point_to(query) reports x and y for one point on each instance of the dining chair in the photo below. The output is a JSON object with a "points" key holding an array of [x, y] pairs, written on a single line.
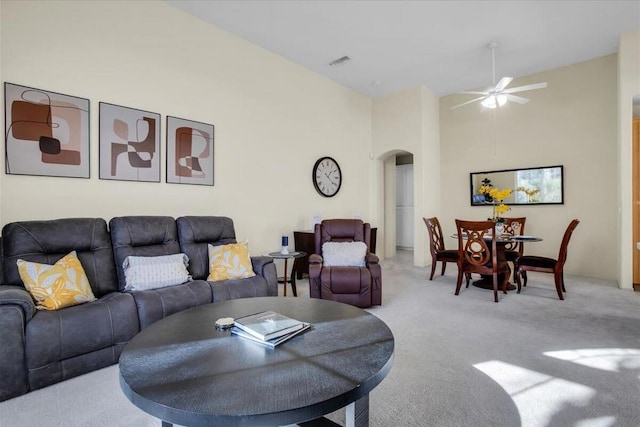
{"points": [[513, 250], [436, 245], [547, 265], [478, 253]]}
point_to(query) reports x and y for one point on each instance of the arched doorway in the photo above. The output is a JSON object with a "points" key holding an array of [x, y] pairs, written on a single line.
{"points": [[397, 206]]}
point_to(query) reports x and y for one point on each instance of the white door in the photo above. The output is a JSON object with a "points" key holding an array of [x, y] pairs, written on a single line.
{"points": [[404, 207]]}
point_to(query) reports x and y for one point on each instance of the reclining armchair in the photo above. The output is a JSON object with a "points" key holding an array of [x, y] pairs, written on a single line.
{"points": [[342, 268]]}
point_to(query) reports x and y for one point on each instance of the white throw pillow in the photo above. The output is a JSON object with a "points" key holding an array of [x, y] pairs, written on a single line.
{"points": [[144, 273], [344, 254]]}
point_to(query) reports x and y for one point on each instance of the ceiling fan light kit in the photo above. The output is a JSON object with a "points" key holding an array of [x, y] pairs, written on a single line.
{"points": [[498, 95], [494, 101]]}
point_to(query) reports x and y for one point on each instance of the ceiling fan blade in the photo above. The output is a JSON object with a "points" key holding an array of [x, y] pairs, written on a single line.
{"points": [[474, 93], [504, 82], [516, 99], [469, 102], [526, 87]]}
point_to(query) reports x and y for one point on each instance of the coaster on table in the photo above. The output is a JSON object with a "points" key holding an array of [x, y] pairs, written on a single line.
{"points": [[224, 322]]}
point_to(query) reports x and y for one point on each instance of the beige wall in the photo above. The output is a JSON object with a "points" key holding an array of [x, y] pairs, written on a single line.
{"points": [[273, 119], [571, 123], [407, 121], [628, 87], [396, 129]]}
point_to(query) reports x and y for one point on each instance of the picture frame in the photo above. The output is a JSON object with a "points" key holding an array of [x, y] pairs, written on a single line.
{"points": [[190, 154], [543, 185], [129, 144], [46, 133]]}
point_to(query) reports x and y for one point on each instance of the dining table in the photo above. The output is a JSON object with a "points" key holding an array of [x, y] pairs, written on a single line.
{"points": [[502, 240]]}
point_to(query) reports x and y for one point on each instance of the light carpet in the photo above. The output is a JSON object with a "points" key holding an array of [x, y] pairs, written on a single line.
{"points": [[530, 360]]}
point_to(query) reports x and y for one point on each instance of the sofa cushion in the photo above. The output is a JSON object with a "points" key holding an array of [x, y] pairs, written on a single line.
{"points": [[65, 343], [196, 233], [57, 286], [230, 261], [142, 236], [143, 273], [344, 254], [256, 286], [156, 304], [45, 242], [346, 280]]}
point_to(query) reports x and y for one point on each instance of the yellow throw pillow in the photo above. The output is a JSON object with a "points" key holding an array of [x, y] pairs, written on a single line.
{"points": [[56, 286], [229, 262]]}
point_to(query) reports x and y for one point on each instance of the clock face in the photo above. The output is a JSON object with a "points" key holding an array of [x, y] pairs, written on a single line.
{"points": [[327, 177]]}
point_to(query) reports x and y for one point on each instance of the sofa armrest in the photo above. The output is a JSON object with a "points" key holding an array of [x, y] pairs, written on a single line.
{"points": [[315, 259], [265, 267], [16, 308], [371, 258], [315, 267], [258, 263], [15, 295]]}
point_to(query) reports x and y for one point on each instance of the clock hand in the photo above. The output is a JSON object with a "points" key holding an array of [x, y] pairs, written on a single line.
{"points": [[329, 178]]}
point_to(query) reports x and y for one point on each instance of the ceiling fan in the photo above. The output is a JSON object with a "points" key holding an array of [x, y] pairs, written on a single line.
{"points": [[498, 95]]}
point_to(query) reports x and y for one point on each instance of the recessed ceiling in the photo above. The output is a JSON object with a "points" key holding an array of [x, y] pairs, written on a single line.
{"points": [[393, 45]]}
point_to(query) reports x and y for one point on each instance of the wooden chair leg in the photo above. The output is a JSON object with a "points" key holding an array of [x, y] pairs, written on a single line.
{"points": [[558, 280], [433, 269], [468, 277], [495, 287], [459, 283], [518, 275], [444, 267]]}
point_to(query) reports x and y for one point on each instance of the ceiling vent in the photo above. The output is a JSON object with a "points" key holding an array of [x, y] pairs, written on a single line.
{"points": [[340, 61]]}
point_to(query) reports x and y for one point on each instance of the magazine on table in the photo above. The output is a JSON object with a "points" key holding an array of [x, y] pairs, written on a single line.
{"points": [[272, 342], [268, 325]]}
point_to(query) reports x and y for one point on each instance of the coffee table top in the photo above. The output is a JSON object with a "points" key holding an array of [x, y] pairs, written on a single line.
{"points": [[185, 371]]}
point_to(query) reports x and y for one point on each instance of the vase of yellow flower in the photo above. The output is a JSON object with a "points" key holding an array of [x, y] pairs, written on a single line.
{"points": [[497, 197]]}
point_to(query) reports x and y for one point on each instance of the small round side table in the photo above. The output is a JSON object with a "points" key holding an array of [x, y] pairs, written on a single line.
{"points": [[286, 257]]}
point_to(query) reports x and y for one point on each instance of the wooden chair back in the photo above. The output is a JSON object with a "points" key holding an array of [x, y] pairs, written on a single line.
{"points": [[515, 227], [436, 241], [478, 253], [437, 247], [562, 255], [474, 252]]}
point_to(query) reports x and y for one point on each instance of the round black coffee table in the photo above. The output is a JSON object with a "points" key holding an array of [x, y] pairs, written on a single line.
{"points": [[183, 370]]}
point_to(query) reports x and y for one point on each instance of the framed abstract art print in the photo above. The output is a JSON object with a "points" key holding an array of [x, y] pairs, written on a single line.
{"points": [[46, 133], [129, 144], [189, 152]]}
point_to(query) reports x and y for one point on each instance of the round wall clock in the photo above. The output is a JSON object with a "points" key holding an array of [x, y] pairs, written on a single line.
{"points": [[327, 177]]}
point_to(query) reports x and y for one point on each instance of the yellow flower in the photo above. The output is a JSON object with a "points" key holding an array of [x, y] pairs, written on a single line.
{"points": [[485, 189], [502, 208], [528, 191], [499, 195]]}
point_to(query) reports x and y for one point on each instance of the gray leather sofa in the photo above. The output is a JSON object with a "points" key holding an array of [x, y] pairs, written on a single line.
{"points": [[40, 347]]}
